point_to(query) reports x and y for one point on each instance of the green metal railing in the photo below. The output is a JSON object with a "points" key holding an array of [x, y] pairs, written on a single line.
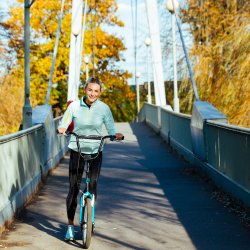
{"points": [[228, 151]]}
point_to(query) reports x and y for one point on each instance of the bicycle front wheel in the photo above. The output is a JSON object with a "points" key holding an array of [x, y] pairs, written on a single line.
{"points": [[87, 224]]}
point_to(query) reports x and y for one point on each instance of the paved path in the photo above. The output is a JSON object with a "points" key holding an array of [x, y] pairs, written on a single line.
{"points": [[146, 201]]}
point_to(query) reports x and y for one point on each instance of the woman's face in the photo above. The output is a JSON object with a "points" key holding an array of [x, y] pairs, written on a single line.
{"points": [[92, 92]]}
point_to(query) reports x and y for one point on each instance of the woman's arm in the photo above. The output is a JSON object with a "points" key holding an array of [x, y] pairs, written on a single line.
{"points": [[66, 120]]}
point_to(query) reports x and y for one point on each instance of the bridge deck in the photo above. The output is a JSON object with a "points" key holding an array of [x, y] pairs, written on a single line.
{"points": [[146, 201]]}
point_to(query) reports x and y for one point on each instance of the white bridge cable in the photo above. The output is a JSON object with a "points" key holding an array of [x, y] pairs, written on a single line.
{"points": [[187, 60], [154, 31], [185, 52], [55, 53]]}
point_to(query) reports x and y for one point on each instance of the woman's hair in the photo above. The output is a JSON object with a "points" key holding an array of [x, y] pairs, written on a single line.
{"points": [[94, 80]]}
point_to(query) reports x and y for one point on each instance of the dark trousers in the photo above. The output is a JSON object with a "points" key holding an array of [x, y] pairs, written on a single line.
{"points": [[75, 176]]}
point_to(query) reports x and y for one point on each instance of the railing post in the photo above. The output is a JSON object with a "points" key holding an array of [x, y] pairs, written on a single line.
{"points": [[159, 118], [176, 99], [27, 109]]}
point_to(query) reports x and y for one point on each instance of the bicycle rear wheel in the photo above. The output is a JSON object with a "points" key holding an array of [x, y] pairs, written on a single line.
{"points": [[87, 224]]}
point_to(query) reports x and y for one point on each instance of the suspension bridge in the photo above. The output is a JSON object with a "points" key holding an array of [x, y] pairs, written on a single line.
{"points": [[151, 193]]}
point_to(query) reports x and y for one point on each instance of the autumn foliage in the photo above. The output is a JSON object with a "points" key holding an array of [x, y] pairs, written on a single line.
{"points": [[221, 56], [105, 47]]}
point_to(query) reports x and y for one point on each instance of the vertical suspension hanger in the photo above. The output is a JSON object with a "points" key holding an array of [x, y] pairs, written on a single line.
{"points": [[186, 53]]}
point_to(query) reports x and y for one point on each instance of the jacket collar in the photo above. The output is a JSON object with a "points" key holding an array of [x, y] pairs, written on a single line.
{"points": [[82, 103]]}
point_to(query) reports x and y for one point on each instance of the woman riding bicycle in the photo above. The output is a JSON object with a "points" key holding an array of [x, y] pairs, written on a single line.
{"points": [[88, 114]]}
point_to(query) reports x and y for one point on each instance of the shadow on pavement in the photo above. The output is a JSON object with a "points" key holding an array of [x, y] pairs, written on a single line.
{"points": [[207, 222]]}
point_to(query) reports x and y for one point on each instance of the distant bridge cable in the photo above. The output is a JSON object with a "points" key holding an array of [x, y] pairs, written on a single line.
{"points": [[185, 52], [55, 53], [134, 27], [154, 31], [134, 12], [136, 74]]}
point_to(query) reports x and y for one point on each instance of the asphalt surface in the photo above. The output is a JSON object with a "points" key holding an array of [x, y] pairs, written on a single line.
{"points": [[146, 200]]}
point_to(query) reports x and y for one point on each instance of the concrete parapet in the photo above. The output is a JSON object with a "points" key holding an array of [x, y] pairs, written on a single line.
{"points": [[24, 159]]}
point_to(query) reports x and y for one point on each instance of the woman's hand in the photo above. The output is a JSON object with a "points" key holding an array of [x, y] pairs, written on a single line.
{"points": [[61, 130], [119, 136]]}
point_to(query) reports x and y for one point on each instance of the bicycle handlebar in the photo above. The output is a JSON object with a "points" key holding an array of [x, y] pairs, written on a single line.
{"points": [[92, 137]]}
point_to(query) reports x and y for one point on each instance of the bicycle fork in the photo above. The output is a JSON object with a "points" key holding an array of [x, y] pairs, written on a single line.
{"points": [[83, 198], [83, 203]]}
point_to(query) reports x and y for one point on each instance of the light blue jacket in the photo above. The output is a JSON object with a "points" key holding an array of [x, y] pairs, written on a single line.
{"points": [[88, 121]]}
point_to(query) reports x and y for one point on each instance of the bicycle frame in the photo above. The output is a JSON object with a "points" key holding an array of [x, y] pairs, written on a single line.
{"points": [[86, 194]]}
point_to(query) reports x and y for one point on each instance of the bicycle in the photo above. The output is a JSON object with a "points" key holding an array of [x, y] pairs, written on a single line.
{"points": [[87, 199]]}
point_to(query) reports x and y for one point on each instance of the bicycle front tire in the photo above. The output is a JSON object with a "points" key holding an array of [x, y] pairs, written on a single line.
{"points": [[87, 224]]}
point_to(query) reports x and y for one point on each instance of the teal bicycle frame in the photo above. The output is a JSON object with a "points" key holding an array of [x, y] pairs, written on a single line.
{"points": [[85, 195]]}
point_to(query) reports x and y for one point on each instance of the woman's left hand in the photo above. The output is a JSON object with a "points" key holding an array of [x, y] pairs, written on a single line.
{"points": [[119, 136]]}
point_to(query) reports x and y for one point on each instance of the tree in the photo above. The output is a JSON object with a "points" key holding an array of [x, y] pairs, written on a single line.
{"points": [[221, 55], [105, 49]]}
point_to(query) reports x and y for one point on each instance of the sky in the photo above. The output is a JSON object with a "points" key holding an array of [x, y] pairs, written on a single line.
{"points": [[125, 14], [164, 17], [4, 4]]}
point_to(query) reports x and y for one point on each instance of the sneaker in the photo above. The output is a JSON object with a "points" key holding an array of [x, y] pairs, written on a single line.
{"points": [[70, 235]]}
